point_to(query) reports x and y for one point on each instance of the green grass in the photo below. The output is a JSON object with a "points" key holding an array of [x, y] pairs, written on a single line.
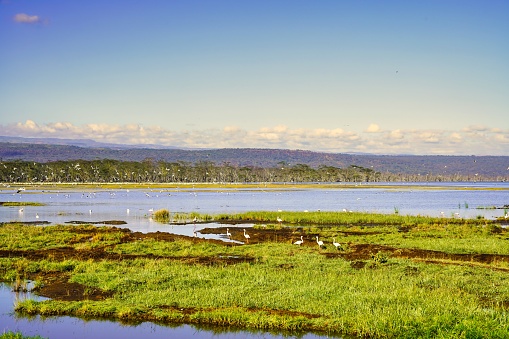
{"points": [[162, 215], [338, 218], [16, 335], [397, 298], [282, 286], [21, 203]]}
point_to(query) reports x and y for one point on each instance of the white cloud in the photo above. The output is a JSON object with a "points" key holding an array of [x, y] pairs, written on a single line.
{"points": [[373, 128], [396, 134], [27, 19], [468, 141]]}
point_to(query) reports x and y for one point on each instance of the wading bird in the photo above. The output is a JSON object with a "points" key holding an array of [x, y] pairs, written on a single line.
{"points": [[337, 244], [279, 220], [228, 234], [246, 235], [299, 242], [319, 242]]}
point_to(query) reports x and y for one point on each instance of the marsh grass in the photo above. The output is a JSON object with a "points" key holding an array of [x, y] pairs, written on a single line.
{"points": [[17, 335], [287, 287], [162, 215], [21, 203], [334, 218], [298, 290]]}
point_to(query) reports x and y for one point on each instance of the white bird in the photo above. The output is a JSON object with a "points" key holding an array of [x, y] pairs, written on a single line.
{"points": [[299, 242], [21, 189], [279, 220], [21, 210], [246, 235], [195, 219], [319, 242], [127, 211], [228, 234], [36, 216], [337, 244]]}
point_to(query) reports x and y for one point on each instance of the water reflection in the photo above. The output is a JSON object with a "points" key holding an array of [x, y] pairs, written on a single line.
{"points": [[69, 327]]}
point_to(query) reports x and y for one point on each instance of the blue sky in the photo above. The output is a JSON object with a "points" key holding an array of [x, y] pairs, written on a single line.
{"points": [[386, 77]]}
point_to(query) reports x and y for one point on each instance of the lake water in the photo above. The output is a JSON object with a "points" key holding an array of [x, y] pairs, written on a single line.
{"points": [[135, 206]]}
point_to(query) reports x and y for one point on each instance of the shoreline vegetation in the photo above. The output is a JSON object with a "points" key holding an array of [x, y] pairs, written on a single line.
{"points": [[392, 275], [150, 170]]}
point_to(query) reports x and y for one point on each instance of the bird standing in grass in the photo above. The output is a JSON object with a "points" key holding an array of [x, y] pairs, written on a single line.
{"points": [[299, 242], [279, 220], [228, 234], [319, 242], [337, 244], [246, 235]]}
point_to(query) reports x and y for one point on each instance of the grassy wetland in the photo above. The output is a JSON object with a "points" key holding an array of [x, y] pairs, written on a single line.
{"points": [[392, 276]]}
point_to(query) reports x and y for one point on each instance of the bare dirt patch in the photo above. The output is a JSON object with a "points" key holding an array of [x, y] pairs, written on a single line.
{"points": [[56, 285]]}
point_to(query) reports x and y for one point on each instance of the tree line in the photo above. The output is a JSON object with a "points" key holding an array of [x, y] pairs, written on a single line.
{"points": [[149, 170]]}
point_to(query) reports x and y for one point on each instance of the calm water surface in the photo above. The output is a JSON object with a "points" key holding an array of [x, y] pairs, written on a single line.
{"points": [[136, 205]]}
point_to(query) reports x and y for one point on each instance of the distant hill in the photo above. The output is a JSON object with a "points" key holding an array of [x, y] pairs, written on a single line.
{"points": [[496, 167]]}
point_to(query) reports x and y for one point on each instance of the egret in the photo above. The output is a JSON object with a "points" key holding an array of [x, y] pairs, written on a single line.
{"points": [[228, 234], [246, 235], [279, 220], [21, 210], [319, 242], [299, 242], [36, 216], [337, 244]]}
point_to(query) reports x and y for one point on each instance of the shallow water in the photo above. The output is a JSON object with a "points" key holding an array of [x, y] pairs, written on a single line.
{"points": [[69, 327], [136, 205]]}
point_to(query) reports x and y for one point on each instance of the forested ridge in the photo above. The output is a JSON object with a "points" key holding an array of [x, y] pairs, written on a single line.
{"points": [[24, 162]]}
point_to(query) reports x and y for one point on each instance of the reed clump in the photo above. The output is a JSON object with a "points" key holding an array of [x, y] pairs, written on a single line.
{"points": [[162, 215]]}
